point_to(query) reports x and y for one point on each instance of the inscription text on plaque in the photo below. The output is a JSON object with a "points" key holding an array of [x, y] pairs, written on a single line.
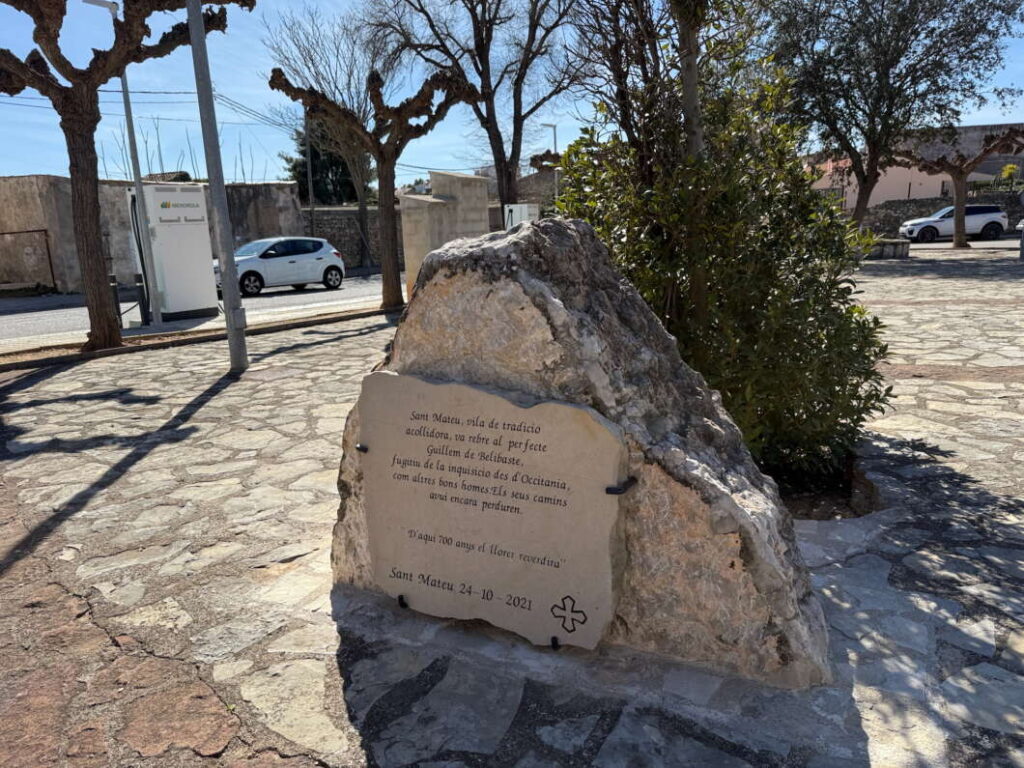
{"points": [[478, 507]]}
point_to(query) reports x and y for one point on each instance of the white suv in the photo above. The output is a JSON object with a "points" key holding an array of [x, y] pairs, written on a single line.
{"points": [[294, 261], [989, 221]]}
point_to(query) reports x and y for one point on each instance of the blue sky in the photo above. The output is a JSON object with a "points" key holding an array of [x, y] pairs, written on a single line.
{"points": [[31, 141]]}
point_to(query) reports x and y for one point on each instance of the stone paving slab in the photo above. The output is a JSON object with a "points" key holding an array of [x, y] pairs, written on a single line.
{"points": [[165, 582]]}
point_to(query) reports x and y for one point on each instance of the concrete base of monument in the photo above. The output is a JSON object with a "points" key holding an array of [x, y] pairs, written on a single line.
{"points": [[423, 689], [696, 560], [426, 691]]}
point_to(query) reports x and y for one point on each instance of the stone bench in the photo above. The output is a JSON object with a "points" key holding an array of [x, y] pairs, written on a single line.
{"points": [[896, 248]]}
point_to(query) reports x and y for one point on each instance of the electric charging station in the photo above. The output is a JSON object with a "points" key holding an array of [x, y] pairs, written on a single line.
{"points": [[184, 283]]}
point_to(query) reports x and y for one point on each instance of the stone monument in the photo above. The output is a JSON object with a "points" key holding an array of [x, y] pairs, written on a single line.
{"points": [[534, 453]]}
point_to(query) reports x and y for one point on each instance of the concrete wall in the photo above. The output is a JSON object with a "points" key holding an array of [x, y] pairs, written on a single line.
{"points": [[340, 226], [35, 203], [538, 187], [44, 203], [456, 208]]}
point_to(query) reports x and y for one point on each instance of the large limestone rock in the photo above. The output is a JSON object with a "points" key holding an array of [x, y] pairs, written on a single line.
{"points": [[710, 572]]}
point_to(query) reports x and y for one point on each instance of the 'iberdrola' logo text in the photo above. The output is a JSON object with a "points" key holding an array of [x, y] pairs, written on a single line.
{"points": [[169, 204]]}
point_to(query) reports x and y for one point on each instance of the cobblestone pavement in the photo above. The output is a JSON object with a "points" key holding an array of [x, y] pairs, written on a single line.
{"points": [[164, 577]]}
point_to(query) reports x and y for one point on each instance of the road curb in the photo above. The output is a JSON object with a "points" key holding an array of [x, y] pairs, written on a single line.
{"points": [[69, 353]]}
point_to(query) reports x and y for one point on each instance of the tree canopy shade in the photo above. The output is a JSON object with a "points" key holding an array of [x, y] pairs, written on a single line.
{"points": [[384, 137], [73, 92], [509, 51], [869, 73]]}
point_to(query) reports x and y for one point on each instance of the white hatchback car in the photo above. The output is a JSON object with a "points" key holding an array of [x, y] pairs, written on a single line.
{"points": [[988, 221], [294, 261]]}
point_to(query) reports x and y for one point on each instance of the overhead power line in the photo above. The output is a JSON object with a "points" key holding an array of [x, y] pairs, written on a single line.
{"points": [[432, 168], [109, 101], [173, 93], [8, 102]]}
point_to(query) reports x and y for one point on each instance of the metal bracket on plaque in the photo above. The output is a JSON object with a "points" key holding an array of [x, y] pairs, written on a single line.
{"points": [[618, 490]]}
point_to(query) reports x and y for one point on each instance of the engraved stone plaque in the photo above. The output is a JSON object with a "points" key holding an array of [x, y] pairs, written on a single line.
{"points": [[480, 508]]}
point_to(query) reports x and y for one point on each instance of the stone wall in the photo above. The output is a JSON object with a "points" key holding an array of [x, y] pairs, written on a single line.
{"points": [[264, 210], [340, 226], [538, 187], [885, 218], [44, 203]]}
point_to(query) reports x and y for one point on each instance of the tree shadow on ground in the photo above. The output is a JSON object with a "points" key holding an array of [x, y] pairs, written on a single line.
{"points": [[967, 266], [952, 557], [122, 396], [324, 338], [171, 431], [174, 430]]}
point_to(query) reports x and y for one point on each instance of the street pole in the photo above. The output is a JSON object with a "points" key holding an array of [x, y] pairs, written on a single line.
{"points": [[554, 135], [233, 313], [554, 131], [309, 176], [152, 287]]}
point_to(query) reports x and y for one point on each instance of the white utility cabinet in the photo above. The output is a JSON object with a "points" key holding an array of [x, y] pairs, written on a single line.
{"points": [[516, 213], [182, 253]]}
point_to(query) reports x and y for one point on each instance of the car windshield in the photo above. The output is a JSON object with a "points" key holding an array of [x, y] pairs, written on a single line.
{"points": [[940, 213], [254, 248]]}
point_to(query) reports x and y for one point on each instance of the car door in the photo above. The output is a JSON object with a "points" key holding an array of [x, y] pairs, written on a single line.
{"points": [[317, 260], [973, 215], [945, 224], [310, 261], [275, 261]]}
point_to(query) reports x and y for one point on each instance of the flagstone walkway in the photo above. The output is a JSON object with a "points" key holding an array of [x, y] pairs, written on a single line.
{"points": [[165, 580]]}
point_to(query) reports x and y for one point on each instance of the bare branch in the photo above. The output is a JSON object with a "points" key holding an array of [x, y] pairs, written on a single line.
{"points": [[324, 109], [508, 51]]}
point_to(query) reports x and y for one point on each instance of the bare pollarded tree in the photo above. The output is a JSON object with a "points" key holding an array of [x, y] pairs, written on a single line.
{"points": [[333, 55], [384, 135], [74, 93], [959, 156], [510, 51]]}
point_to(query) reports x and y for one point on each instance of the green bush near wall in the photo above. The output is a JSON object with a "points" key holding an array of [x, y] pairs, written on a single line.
{"points": [[751, 270]]}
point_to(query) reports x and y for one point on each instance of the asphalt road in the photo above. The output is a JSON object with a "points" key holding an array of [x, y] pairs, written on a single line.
{"points": [[1008, 241], [22, 317], [26, 317]]}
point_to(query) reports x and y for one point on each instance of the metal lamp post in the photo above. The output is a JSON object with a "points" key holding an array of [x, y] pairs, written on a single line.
{"points": [[554, 136], [234, 315], [152, 288]]}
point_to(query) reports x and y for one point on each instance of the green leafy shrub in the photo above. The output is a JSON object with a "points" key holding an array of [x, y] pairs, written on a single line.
{"points": [[750, 269]]}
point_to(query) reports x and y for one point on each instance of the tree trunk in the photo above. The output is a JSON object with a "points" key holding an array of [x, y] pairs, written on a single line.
{"points": [[391, 276], [508, 182], [104, 317], [693, 119], [865, 186], [959, 210], [688, 17]]}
